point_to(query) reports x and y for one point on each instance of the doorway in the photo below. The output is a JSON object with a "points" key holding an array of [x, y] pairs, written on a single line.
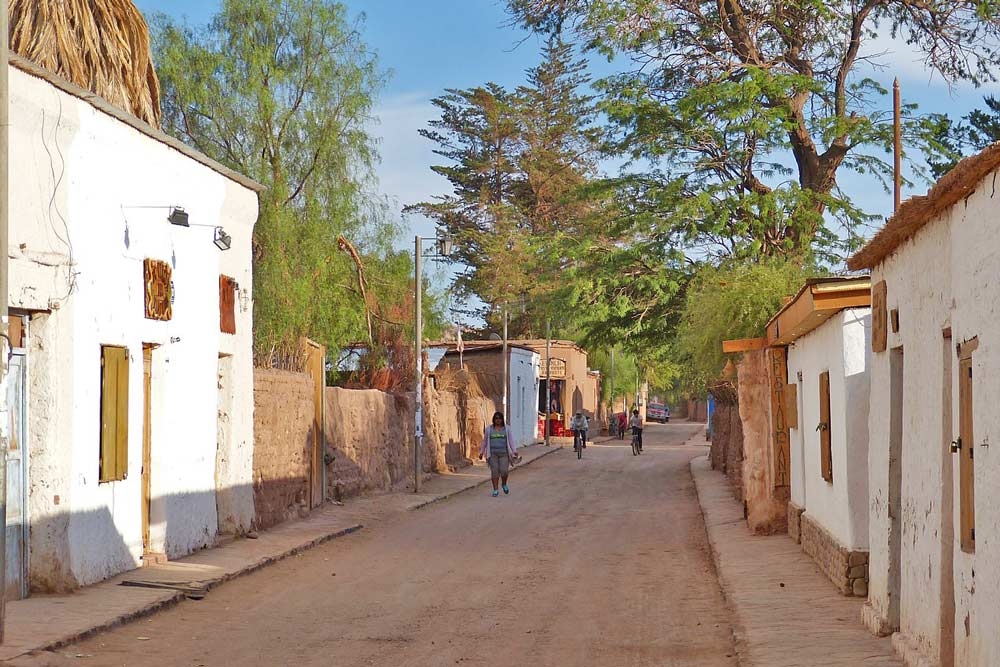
{"points": [[896, 388], [16, 579], [947, 510], [147, 449]]}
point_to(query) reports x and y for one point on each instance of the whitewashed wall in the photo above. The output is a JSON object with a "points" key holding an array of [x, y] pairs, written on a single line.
{"points": [[841, 345], [78, 247], [918, 277], [523, 395]]}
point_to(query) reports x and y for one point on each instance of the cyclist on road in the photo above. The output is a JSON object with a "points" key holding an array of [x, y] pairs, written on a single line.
{"points": [[636, 423], [579, 426], [499, 449]]}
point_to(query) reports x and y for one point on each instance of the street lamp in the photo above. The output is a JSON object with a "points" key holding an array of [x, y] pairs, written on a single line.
{"points": [[442, 248]]}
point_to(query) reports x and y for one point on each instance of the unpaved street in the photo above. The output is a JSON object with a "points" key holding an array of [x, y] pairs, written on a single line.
{"points": [[602, 561]]}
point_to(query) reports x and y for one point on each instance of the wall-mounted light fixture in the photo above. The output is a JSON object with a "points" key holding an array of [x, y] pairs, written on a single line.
{"points": [[178, 216], [222, 240]]}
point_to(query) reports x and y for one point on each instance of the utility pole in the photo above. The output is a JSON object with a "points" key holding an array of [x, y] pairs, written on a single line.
{"points": [[418, 335], [548, 380], [612, 382], [897, 145], [506, 367], [4, 347]]}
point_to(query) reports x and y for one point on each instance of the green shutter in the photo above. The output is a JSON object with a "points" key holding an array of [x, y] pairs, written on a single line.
{"points": [[114, 413]]}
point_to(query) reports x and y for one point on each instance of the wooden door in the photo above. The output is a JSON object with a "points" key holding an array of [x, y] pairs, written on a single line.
{"points": [[147, 387], [967, 452]]}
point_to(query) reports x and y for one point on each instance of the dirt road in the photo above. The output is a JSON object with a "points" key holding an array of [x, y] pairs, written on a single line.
{"points": [[602, 561]]}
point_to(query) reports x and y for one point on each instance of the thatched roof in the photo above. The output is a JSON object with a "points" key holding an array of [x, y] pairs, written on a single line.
{"points": [[100, 45], [916, 212]]}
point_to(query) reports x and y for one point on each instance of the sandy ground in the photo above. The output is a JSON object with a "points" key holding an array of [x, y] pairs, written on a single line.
{"points": [[602, 561]]}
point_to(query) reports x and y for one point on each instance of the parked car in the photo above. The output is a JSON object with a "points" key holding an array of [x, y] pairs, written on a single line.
{"points": [[657, 412]]}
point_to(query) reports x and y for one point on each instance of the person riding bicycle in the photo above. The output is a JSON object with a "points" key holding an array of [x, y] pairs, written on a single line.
{"points": [[579, 426], [636, 423]]}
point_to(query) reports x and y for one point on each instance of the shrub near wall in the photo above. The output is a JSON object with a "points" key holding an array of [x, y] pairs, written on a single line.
{"points": [[283, 418]]}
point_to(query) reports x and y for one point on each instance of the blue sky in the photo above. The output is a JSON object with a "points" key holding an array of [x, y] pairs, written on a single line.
{"points": [[430, 45]]}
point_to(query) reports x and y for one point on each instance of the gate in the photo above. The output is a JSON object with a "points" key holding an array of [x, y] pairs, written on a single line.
{"points": [[17, 478]]}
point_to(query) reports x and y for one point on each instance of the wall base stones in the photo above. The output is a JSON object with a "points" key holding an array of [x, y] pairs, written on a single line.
{"points": [[848, 570], [795, 522]]}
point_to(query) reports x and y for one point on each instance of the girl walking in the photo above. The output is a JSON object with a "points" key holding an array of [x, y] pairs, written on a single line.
{"points": [[499, 450]]}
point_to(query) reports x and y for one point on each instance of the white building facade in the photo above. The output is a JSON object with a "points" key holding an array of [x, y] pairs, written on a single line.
{"points": [[136, 343], [828, 512], [934, 479]]}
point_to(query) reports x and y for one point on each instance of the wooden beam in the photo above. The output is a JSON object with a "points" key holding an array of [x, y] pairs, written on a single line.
{"points": [[743, 345]]}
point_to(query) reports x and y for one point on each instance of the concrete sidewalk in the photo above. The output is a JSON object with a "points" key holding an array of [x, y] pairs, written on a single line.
{"points": [[787, 612], [49, 621]]}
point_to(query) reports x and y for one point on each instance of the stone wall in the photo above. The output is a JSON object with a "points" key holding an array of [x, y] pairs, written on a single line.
{"points": [[795, 522], [283, 420], [848, 570]]}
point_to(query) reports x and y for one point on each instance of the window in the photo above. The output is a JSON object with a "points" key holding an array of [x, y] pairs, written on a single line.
{"points": [[825, 451], [114, 414], [227, 305], [965, 447]]}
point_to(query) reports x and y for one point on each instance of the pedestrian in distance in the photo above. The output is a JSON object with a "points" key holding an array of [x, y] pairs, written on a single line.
{"points": [[578, 424], [622, 424], [499, 450], [636, 423]]}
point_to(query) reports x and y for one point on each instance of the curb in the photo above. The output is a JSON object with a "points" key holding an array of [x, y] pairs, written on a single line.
{"points": [[486, 480], [738, 632], [172, 599]]}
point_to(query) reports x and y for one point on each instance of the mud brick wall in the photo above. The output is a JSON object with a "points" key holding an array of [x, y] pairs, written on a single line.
{"points": [[369, 441], [848, 570], [283, 419], [727, 445]]}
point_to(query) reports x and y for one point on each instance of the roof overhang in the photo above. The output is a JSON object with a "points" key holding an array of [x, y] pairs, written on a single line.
{"points": [[816, 302]]}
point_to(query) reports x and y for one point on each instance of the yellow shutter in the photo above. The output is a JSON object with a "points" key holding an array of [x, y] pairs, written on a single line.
{"points": [[114, 413]]}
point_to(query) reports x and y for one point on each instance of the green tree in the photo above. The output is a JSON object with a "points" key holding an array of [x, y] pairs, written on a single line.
{"points": [[749, 110], [731, 301], [975, 131], [283, 91], [517, 162]]}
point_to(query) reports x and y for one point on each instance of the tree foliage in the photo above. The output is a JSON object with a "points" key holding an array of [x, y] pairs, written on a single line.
{"points": [[283, 92], [734, 300], [972, 133], [748, 110], [515, 160]]}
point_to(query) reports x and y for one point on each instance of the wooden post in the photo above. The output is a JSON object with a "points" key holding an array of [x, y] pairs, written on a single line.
{"points": [[897, 145]]}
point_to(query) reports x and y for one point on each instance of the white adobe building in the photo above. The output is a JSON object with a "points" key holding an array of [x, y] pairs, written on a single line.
{"points": [[934, 481], [132, 378], [827, 328]]}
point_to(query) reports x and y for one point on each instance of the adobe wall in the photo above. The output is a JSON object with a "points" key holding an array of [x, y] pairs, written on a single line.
{"points": [[766, 505], [283, 419], [726, 451]]}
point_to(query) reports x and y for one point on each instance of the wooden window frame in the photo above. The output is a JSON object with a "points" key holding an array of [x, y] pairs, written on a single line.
{"points": [[965, 446], [825, 427], [113, 454]]}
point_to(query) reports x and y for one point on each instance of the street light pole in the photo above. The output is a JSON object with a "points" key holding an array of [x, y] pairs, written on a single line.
{"points": [[506, 367], [418, 336]]}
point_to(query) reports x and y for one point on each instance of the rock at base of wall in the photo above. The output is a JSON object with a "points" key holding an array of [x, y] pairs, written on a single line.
{"points": [[846, 568]]}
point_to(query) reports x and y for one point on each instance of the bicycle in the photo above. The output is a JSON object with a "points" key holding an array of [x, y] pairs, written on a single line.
{"points": [[635, 445], [578, 444]]}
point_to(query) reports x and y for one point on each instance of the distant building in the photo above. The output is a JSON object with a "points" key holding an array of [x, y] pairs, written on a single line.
{"points": [[485, 358], [575, 388]]}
